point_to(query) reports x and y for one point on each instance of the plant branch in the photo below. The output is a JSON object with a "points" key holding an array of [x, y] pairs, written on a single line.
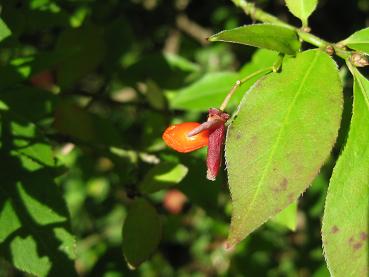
{"points": [[259, 15]]}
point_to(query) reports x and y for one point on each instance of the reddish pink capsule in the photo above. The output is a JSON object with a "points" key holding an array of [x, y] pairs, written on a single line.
{"points": [[216, 126]]}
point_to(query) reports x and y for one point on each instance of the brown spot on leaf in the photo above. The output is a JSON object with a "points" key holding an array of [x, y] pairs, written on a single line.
{"points": [[334, 229], [254, 140], [283, 185], [291, 197], [363, 236], [351, 240], [357, 245], [238, 136]]}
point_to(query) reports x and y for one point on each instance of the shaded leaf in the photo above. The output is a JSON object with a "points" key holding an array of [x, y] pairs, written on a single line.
{"points": [[168, 71], [359, 41], [346, 214], [162, 176], [141, 232], [84, 50], [269, 36], [18, 100], [36, 238], [302, 8], [277, 143], [196, 187], [207, 92], [73, 121]]}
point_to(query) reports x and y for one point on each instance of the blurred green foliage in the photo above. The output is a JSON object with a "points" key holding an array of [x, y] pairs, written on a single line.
{"points": [[86, 90]]}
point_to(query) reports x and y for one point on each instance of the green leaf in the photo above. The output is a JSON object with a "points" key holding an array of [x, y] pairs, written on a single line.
{"points": [[207, 92], [302, 9], [284, 130], [26, 258], [4, 30], [269, 36], [9, 221], [346, 221], [141, 232], [358, 41], [162, 176], [287, 217], [34, 235]]}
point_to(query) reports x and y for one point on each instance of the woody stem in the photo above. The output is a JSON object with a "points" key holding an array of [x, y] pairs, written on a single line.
{"points": [[259, 15]]}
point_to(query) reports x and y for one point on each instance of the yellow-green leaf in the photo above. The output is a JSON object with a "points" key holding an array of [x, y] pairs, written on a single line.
{"points": [[359, 41], [4, 30], [346, 214], [284, 130], [287, 217], [302, 8]]}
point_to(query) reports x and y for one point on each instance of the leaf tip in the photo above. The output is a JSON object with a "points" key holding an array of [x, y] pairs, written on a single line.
{"points": [[131, 266], [212, 38]]}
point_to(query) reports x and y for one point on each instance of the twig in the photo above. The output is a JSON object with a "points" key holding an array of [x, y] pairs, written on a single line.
{"points": [[259, 15], [193, 29]]}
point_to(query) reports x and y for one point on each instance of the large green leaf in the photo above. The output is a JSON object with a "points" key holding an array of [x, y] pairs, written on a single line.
{"points": [[207, 92], [285, 128], [269, 36], [346, 214], [359, 41], [302, 8], [141, 232]]}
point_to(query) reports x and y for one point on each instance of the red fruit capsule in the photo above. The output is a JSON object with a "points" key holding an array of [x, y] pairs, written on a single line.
{"points": [[176, 137], [216, 126], [216, 140]]}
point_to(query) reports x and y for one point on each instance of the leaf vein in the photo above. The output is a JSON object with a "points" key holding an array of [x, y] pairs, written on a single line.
{"points": [[275, 145]]}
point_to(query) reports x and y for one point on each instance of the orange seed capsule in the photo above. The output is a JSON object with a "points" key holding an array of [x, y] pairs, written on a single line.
{"points": [[176, 137]]}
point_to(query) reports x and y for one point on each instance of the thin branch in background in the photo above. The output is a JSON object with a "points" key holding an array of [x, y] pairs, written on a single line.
{"points": [[193, 29], [172, 42]]}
